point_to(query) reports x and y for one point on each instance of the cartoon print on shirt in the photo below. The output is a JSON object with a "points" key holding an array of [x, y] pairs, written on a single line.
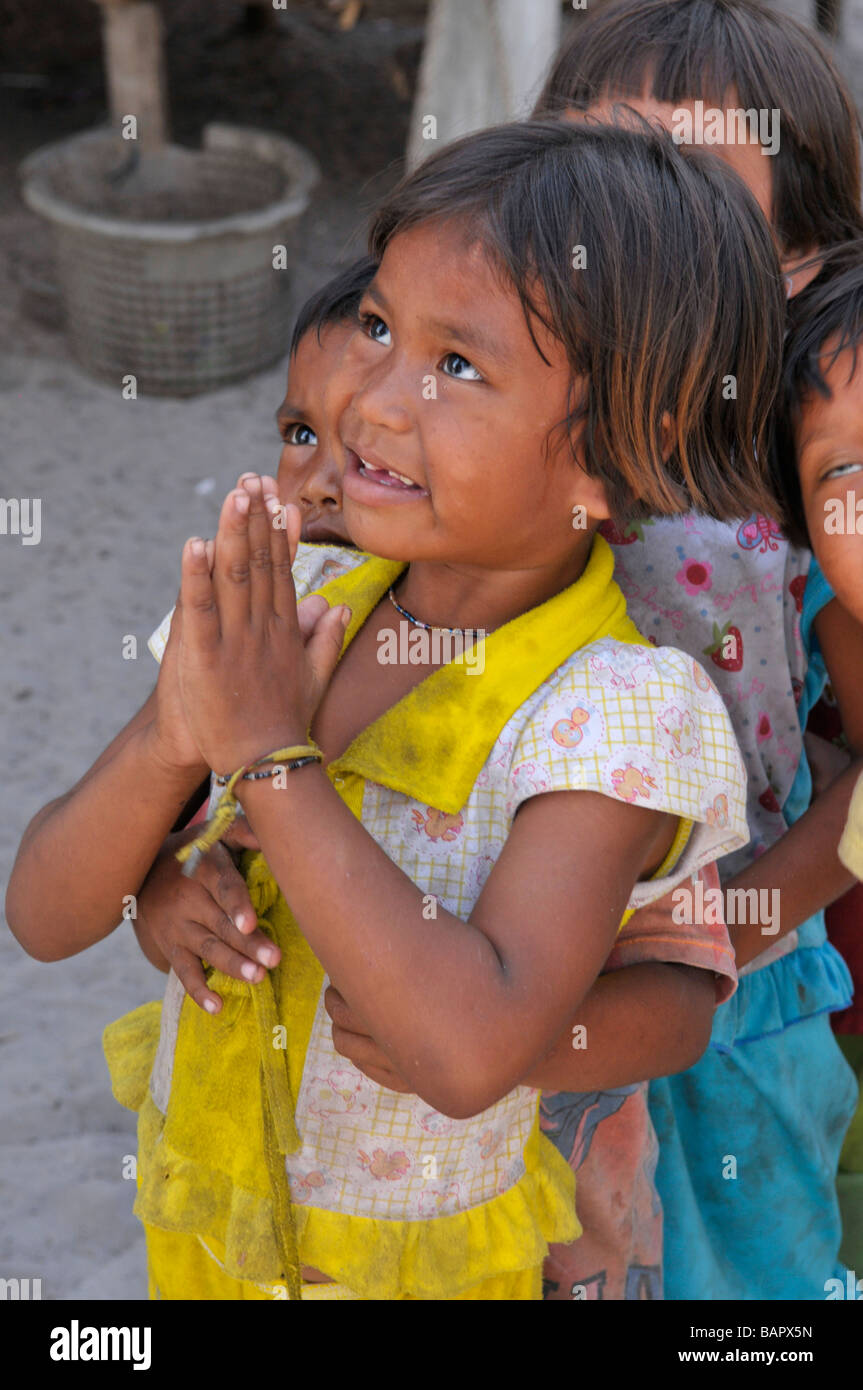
{"points": [[437, 824], [339, 1094], [567, 732], [678, 733], [717, 813], [759, 533], [385, 1165], [630, 783]]}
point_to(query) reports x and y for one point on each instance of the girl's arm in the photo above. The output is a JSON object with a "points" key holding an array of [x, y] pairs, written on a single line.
{"points": [[804, 865], [645, 1020], [464, 1012], [840, 638], [467, 1011], [87, 850]]}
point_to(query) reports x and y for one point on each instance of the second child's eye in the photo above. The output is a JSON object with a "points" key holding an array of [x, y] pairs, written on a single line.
{"points": [[376, 329], [299, 434], [457, 366]]}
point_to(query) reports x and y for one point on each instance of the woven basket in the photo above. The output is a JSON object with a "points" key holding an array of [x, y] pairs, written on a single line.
{"points": [[165, 264]]}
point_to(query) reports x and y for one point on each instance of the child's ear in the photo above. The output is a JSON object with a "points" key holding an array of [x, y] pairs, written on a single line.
{"points": [[590, 495]]}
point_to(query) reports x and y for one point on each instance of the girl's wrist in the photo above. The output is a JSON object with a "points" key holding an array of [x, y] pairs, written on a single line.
{"points": [[181, 773], [253, 792]]}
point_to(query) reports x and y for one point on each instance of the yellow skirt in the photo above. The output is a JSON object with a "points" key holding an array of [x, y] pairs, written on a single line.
{"points": [[181, 1267]]}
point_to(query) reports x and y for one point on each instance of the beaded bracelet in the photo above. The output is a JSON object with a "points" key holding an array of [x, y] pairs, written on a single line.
{"points": [[270, 771], [226, 811]]}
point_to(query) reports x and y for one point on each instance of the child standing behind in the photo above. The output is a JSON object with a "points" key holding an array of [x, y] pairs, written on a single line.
{"points": [[819, 462], [461, 866]]}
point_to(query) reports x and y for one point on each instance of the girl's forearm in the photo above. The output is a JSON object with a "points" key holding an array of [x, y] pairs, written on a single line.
{"points": [[643, 1021], [363, 918], [92, 848], [797, 876], [454, 1012]]}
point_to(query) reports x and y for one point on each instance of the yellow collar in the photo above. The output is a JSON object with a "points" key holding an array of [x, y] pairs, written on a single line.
{"points": [[432, 744]]}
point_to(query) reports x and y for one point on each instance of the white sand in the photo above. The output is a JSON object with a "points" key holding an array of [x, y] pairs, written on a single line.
{"points": [[117, 482]]}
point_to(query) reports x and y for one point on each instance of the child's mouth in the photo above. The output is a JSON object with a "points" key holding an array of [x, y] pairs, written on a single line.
{"points": [[368, 481]]}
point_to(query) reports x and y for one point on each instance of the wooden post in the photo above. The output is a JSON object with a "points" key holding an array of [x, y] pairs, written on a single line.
{"points": [[484, 61], [134, 62]]}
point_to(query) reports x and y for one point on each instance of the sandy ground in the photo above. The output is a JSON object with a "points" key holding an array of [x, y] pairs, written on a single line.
{"points": [[122, 483]]}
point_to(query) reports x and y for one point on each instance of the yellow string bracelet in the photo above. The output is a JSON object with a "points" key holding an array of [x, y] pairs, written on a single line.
{"points": [[226, 811]]}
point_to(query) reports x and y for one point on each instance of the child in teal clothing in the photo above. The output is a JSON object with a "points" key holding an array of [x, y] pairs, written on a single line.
{"points": [[821, 466]]}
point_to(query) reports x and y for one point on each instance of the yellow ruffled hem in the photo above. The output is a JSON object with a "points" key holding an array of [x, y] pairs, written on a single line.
{"points": [[447, 1255], [431, 1259], [438, 1258]]}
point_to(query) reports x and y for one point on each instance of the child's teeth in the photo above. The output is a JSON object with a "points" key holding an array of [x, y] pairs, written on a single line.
{"points": [[391, 473]]}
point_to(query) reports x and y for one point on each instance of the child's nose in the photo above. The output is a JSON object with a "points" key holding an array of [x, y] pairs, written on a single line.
{"points": [[322, 487], [387, 395]]}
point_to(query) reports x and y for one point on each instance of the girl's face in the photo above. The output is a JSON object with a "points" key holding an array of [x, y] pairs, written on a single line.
{"points": [[451, 454], [830, 459], [308, 474]]}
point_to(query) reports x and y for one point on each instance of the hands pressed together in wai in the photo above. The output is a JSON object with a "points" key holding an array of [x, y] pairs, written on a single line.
{"points": [[243, 672]]}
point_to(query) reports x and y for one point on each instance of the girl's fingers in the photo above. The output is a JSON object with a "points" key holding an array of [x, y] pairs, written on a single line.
{"points": [[196, 609], [260, 559], [284, 539], [270, 486], [231, 577], [367, 1056], [324, 646], [190, 972], [210, 947], [232, 917], [340, 1011], [240, 835]]}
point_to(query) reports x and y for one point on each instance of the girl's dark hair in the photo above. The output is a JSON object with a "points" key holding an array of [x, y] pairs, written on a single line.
{"points": [[337, 301], [673, 328], [684, 50], [828, 310]]}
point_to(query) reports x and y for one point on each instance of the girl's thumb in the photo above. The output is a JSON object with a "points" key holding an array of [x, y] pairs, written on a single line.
{"points": [[324, 646]]}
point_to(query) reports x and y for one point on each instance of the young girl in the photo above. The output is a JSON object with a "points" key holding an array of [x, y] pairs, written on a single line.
{"points": [[461, 867], [648, 1013], [772, 1090]]}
